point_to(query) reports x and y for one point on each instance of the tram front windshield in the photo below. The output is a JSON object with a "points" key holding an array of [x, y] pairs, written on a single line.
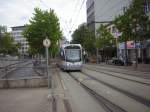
{"points": [[73, 55]]}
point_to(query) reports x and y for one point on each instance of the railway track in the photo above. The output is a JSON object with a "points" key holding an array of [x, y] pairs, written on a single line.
{"points": [[121, 75], [144, 75], [108, 104], [134, 96]]}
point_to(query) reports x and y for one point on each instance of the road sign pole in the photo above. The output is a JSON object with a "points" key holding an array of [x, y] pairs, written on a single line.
{"points": [[47, 43], [47, 68]]}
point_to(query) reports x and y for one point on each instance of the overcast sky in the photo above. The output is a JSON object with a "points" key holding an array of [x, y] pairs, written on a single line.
{"points": [[71, 13]]}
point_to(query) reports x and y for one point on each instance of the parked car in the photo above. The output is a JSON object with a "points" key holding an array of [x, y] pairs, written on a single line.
{"points": [[116, 61]]}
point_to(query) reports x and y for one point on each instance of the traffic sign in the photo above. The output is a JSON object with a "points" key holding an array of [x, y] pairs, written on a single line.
{"points": [[46, 42]]}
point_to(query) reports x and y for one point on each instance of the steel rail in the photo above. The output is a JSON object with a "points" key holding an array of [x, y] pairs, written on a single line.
{"points": [[106, 104], [129, 74], [110, 74], [131, 95]]}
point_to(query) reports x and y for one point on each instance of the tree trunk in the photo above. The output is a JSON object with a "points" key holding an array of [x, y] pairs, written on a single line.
{"points": [[126, 57], [136, 55]]}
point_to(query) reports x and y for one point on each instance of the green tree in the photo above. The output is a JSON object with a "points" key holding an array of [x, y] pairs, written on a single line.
{"points": [[105, 41], [122, 23], [43, 24], [104, 37], [134, 24], [139, 20], [7, 45], [3, 29], [85, 37]]}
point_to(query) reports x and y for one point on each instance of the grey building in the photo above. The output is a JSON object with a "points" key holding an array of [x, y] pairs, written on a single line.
{"points": [[99, 11], [107, 10], [18, 37]]}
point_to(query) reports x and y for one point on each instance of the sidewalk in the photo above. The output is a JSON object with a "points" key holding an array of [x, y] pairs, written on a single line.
{"points": [[140, 67], [24, 100]]}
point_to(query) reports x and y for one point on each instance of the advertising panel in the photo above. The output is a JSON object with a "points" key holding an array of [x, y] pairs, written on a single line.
{"points": [[130, 45]]}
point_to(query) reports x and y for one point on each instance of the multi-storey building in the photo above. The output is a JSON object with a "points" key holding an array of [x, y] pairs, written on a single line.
{"points": [[105, 11], [18, 37]]}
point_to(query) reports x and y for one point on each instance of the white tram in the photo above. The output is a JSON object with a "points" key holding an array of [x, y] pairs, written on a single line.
{"points": [[71, 57]]}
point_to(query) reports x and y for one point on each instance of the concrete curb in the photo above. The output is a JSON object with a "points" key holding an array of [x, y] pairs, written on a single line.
{"points": [[23, 82]]}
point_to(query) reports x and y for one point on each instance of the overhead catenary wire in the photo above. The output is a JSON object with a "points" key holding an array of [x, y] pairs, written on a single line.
{"points": [[64, 26], [75, 8], [73, 18], [76, 18]]}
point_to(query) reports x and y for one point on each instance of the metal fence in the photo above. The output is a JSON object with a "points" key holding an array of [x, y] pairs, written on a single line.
{"points": [[17, 68]]}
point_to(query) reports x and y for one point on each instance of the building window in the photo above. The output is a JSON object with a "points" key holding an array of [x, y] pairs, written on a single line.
{"points": [[91, 7], [146, 5], [91, 17], [113, 29]]}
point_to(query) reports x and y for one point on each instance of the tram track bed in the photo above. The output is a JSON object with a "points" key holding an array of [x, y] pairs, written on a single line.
{"points": [[118, 98], [140, 74], [139, 91], [120, 75], [106, 104], [79, 98]]}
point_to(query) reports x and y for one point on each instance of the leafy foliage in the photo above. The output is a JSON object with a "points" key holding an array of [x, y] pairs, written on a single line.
{"points": [[104, 37], [43, 24], [7, 45], [122, 22], [85, 37], [134, 23], [3, 29], [139, 20]]}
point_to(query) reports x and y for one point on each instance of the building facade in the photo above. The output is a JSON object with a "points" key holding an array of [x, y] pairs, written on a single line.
{"points": [[106, 10], [103, 11], [18, 37]]}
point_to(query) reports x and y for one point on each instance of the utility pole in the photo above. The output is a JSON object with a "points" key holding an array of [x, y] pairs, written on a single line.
{"points": [[135, 42], [117, 49], [126, 57]]}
